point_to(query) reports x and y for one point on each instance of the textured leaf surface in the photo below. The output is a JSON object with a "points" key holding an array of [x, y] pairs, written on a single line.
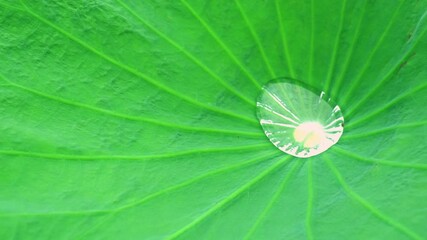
{"points": [[136, 119]]}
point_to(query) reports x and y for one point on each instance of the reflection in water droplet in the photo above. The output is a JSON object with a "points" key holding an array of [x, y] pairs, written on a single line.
{"points": [[299, 120]]}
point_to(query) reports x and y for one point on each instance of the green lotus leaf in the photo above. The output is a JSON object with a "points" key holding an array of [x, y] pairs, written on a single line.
{"points": [[125, 119]]}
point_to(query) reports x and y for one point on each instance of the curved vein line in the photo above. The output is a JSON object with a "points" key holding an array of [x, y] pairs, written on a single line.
{"points": [[367, 62], [312, 50], [135, 72], [196, 179], [256, 38], [382, 130], [125, 116], [273, 200], [221, 43], [386, 106], [357, 157], [187, 54], [310, 199], [350, 52], [389, 75], [312, 31], [47, 214], [284, 40], [135, 157], [11, 7], [153, 195], [82, 235], [229, 198], [376, 212], [335, 50]]}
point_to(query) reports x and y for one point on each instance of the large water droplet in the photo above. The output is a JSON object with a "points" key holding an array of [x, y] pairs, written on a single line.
{"points": [[298, 119]]}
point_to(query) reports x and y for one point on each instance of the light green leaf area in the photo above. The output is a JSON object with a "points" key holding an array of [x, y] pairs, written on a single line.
{"points": [[124, 119]]}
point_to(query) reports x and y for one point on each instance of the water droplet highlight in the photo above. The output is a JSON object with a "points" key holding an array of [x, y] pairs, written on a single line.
{"points": [[298, 119]]}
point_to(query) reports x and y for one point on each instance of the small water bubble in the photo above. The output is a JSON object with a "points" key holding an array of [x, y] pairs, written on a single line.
{"points": [[297, 119]]}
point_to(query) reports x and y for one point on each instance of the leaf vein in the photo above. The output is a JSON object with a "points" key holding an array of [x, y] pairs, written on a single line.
{"points": [[125, 116], [386, 129], [221, 43], [284, 40], [134, 157], [335, 49], [413, 42], [153, 195], [356, 80], [376, 212], [350, 51], [310, 200], [386, 106], [228, 199], [419, 166], [136, 72], [193, 58], [256, 38], [273, 200]]}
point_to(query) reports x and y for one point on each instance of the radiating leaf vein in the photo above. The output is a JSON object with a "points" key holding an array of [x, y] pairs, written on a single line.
{"points": [[379, 161], [137, 73], [229, 198], [125, 116], [386, 129], [310, 200], [193, 58], [417, 35], [273, 200], [389, 104], [349, 54], [257, 147], [284, 39], [221, 43], [333, 61], [368, 206], [145, 199], [256, 38], [356, 81]]}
